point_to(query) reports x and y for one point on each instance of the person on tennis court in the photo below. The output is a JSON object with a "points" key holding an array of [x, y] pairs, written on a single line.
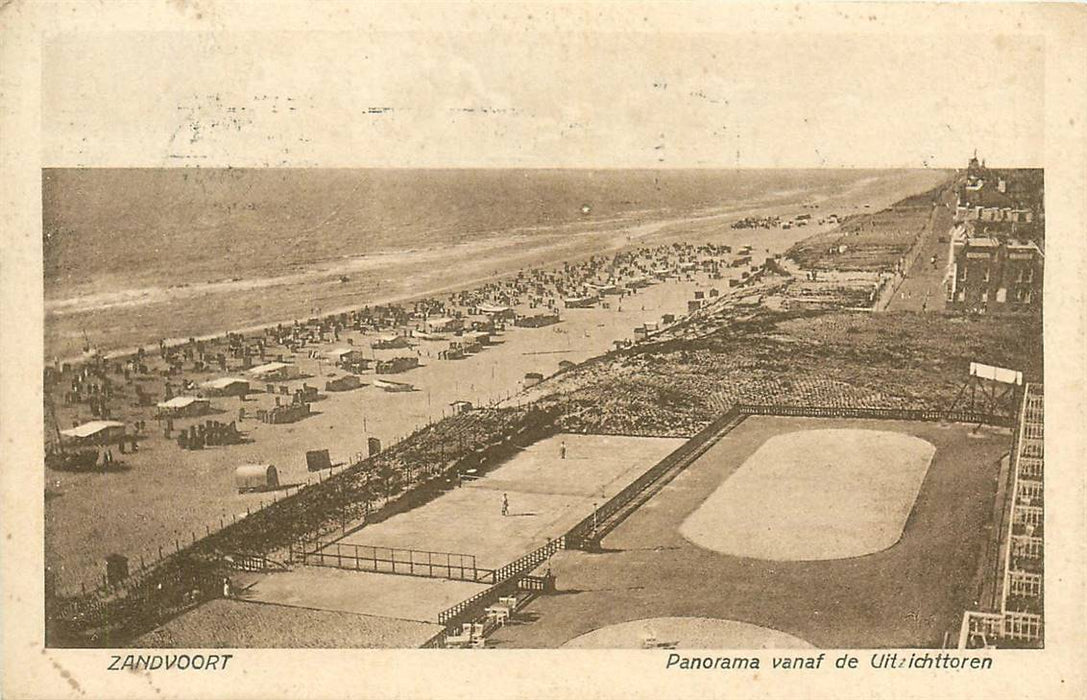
{"points": [[505, 504]]}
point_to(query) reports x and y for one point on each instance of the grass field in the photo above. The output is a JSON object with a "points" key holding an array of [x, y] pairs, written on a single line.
{"points": [[547, 495], [905, 596]]}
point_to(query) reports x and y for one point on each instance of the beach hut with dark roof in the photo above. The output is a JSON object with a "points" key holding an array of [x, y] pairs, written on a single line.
{"points": [[225, 386]]}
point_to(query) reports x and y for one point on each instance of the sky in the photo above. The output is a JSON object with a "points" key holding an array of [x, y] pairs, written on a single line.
{"points": [[539, 99]]}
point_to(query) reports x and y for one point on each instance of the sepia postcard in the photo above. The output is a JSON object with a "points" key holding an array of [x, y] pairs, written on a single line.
{"points": [[542, 350]]}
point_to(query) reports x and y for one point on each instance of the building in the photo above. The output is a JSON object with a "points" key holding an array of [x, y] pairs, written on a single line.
{"points": [[225, 386], [351, 359], [443, 324], [992, 275], [498, 312], [184, 406], [98, 432], [275, 372]]}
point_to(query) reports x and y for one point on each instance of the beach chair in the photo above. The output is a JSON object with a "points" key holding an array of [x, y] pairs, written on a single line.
{"points": [[458, 641], [499, 613]]}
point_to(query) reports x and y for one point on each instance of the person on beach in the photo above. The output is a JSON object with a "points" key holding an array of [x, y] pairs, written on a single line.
{"points": [[562, 450], [505, 505]]}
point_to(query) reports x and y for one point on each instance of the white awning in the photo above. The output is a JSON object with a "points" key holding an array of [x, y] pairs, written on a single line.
{"points": [[92, 428]]}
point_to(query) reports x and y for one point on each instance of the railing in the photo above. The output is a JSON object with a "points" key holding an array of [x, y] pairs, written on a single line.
{"points": [[590, 528], [913, 414], [1021, 626], [506, 581], [529, 582], [393, 560], [529, 561], [1020, 587], [252, 562]]}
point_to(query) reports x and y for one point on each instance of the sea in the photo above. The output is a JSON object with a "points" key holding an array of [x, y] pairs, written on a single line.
{"points": [[134, 255]]}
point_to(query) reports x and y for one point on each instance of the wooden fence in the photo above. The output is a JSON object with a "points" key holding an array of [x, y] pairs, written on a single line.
{"points": [[393, 560], [586, 533], [506, 582], [912, 414]]}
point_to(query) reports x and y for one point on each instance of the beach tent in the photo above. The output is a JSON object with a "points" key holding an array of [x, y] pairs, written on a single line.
{"points": [[481, 337], [98, 432], [256, 477], [389, 341], [443, 325], [496, 310], [344, 383], [461, 406], [225, 386], [180, 406], [345, 355], [275, 371]]}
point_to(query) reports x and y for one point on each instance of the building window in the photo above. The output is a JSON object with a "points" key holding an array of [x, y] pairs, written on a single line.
{"points": [[1001, 295], [985, 297]]}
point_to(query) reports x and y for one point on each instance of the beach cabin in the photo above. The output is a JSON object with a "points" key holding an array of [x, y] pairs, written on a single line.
{"points": [[480, 337], [532, 379], [275, 372], [184, 407], [694, 305], [461, 407], [498, 312], [443, 324], [389, 341], [256, 477], [396, 365], [580, 302], [538, 320], [225, 386], [346, 357], [344, 383], [565, 365], [96, 432]]}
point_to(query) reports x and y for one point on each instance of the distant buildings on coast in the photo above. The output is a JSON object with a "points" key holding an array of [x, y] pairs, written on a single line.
{"points": [[997, 247]]}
